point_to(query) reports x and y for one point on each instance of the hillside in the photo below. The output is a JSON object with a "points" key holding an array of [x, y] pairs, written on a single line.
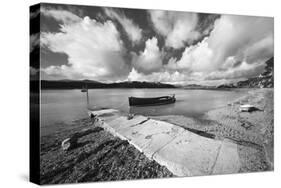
{"points": [[264, 80], [79, 84]]}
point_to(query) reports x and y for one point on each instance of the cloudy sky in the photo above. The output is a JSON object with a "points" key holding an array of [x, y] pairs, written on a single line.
{"points": [[113, 44]]}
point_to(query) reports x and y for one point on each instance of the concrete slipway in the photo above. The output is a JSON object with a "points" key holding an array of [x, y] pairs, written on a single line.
{"points": [[184, 153]]}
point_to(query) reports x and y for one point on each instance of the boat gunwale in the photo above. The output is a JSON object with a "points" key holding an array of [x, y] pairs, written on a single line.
{"points": [[151, 101]]}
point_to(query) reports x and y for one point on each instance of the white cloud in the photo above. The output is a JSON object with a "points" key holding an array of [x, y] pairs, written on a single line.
{"points": [[177, 27], [174, 77], [245, 70], [133, 31], [260, 50], [94, 50], [63, 16], [236, 48], [194, 58], [165, 76], [150, 60], [234, 35], [234, 39]]}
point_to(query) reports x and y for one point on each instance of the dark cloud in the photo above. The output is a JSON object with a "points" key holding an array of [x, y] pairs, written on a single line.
{"points": [[112, 44]]}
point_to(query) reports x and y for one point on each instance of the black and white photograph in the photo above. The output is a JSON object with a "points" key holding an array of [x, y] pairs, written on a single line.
{"points": [[129, 93]]}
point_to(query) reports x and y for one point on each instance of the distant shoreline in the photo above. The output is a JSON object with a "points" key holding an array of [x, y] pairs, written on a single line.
{"points": [[79, 84], [182, 88], [72, 84]]}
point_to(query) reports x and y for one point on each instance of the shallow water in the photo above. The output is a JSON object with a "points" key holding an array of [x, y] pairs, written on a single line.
{"points": [[63, 106]]}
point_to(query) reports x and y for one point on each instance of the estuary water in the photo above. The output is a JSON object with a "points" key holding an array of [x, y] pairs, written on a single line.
{"points": [[64, 106]]}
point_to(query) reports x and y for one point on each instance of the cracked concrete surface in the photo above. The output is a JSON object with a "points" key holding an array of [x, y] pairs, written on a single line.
{"points": [[183, 152]]}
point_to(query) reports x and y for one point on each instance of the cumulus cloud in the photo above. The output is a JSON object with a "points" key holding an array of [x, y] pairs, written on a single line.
{"points": [[236, 48], [94, 50], [194, 58], [150, 60], [133, 31], [177, 27], [164, 76], [235, 35], [173, 77]]}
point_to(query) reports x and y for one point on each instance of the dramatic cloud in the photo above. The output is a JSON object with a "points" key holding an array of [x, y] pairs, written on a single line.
{"points": [[150, 60], [177, 27], [194, 58], [243, 37], [94, 50], [63, 16], [236, 48], [244, 70], [172, 47], [133, 31]]}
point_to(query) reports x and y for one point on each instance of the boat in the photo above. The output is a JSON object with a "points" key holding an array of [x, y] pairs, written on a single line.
{"points": [[84, 90], [137, 101]]}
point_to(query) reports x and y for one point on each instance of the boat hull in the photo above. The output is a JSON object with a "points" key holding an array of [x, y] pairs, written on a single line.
{"points": [[134, 101]]}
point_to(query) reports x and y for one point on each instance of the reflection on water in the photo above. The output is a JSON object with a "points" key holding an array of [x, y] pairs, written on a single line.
{"points": [[167, 109], [68, 105]]}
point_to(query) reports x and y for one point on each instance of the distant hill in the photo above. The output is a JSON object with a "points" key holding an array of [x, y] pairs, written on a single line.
{"points": [[192, 86], [196, 86], [264, 80], [79, 84]]}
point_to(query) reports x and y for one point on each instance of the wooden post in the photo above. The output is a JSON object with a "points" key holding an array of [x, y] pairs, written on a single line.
{"points": [[87, 99], [85, 89]]}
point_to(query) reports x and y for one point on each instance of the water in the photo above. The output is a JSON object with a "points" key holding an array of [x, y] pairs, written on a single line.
{"points": [[67, 105]]}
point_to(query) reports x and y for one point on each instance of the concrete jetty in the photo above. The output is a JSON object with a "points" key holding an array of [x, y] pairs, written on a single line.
{"points": [[183, 152]]}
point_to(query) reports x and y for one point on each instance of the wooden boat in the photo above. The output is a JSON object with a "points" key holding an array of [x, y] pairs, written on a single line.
{"points": [[136, 101], [84, 89]]}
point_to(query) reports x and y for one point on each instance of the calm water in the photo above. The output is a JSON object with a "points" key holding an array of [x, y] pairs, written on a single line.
{"points": [[67, 105]]}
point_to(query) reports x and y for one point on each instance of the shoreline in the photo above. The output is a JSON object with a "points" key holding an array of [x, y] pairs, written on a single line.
{"points": [[255, 144], [249, 130]]}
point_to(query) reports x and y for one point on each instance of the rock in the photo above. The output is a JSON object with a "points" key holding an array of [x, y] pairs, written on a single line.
{"points": [[130, 116], [248, 108], [69, 143], [65, 144], [245, 108]]}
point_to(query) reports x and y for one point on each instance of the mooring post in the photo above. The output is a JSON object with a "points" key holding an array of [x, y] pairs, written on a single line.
{"points": [[85, 89], [87, 99]]}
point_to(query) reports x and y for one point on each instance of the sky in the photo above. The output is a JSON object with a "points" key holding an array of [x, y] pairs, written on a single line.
{"points": [[116, 44]]}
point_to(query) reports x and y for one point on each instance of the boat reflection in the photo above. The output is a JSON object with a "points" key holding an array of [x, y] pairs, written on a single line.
{"points": [[152, 110]]}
